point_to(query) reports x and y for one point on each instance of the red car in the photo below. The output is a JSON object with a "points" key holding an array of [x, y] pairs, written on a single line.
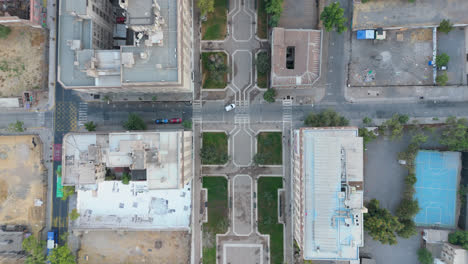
{"points": [[175, 120]]}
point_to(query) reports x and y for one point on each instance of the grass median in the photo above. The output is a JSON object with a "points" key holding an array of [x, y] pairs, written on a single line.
{"points": [[214, 148], [269, 148]]}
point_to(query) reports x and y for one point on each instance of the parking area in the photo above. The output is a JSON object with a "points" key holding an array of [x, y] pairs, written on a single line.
{"points": [[403, 13], [22, 177], [299, 14], [98, 247], [401, 59], [453, 44], [384, 181]]}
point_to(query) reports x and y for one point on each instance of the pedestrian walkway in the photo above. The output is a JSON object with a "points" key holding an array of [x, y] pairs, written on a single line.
{"points": [[82, 114]]}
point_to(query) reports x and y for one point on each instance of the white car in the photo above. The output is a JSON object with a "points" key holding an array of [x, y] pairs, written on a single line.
{"points": [[229, 107]]}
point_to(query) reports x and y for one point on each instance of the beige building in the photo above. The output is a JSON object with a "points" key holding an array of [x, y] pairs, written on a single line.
{"points": [[452, 254], [156, 56], [328, 193], [295, 57], [158, 195]]}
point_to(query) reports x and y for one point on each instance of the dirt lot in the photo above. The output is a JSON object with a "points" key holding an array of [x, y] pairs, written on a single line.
{"points": [[111, 247], [22, 60], [401, 59], [21, 182]]}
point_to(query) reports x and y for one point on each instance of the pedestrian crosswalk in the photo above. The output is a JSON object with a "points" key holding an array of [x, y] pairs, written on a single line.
{"points": [[82, 113], [41, 119], [197, 111], [287, 110], [241, 119]]}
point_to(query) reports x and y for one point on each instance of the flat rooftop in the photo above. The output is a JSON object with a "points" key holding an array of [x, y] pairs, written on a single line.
{"points": [[333, 215], [133, 206], [159, 153], [157, 64], [303, 48]]}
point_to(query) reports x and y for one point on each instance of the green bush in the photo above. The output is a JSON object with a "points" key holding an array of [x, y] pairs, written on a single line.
{"points": [[459, 238], [4, 31], [74, 214], [34, 249], [263, 62], [395, 125], [407, 208], [410, 179], [454, 134], [274, 8], [408, 230], [134, 122], [425, 256], [270, 95], [90, 126], [126, 178], [187, 124], [67, 191], [18, 126], [445, 26], [367, 121], [326, 118], [442, 79], [442, 59], [367, 136]]}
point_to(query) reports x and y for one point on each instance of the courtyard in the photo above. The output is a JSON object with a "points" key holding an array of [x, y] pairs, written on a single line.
{"points": [[400, 59]]}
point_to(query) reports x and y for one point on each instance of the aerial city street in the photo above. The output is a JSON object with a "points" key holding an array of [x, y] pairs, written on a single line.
{"points": [[234, 131]]}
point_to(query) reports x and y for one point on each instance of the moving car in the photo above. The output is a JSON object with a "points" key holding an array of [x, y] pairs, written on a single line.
{"points": [[161, 121], [229, 107], [175, 120]]}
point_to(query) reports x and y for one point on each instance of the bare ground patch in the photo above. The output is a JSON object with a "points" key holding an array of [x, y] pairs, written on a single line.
{"points": [[22, 61], [21, 182], [102, 247]]}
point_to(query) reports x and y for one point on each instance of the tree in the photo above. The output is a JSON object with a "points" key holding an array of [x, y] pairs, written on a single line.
{"points": [[442, 59], [126, 178], [73, 215], [274, 8], [326, 118], [35, 249], [445, 26], [18, 126], [269, 95], [134, 122], [403, 119], [454, 134], [442, 79], [62, 255], [408, 230], [67, 191], [395, 125], [407, 208], [367, 121], [4, 31], [206, 6], [459, 238], [263, 62], [367, 135], [107, 98], [333, 18], [90, 126], [419, 138], [381, 224], [425, 256]]}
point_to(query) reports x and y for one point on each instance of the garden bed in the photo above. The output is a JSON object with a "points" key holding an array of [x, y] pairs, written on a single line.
{"points": [[215, 148], [217, 216], [214, 28], [268, 215], [269, 148], [214, 70], [262, 19]]}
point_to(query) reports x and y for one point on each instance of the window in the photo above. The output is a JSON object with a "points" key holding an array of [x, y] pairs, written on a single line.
{"points": [[290, 53]]}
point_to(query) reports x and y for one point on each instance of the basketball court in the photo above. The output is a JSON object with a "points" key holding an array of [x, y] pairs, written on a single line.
{"points": [[437, 176]]}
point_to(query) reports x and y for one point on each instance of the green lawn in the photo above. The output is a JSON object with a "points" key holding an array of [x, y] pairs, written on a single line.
{"points": [[268, 215], [217, 216], [215, 26], [209, 79], [269, 146], [262, 25], [262, 78], [214, 149]]}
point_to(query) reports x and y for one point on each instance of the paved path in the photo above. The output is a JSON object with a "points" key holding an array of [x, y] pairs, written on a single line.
{"points": [[242, 212]]}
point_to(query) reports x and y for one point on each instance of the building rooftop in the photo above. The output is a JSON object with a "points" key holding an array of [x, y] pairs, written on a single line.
{"points": [[153, 59], [133, 206], [295, 59], [332, 161]]}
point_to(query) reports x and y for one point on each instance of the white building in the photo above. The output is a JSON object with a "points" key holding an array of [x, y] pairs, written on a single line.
{"points": [[157, 197], [452, 254], [328, 193]]}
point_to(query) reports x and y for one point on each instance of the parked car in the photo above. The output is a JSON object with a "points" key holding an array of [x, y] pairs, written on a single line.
{"points": [[229, 107], [120, 20], [161, 121], [51, 241], [175, 120]]}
